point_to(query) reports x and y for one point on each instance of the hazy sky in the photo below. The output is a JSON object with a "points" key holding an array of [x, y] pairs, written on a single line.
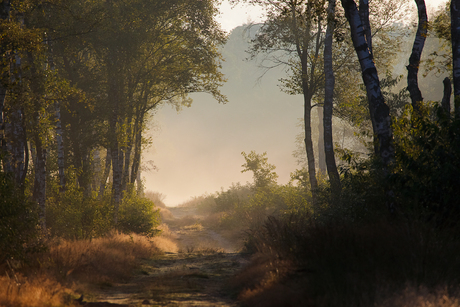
{"points": [[198, 151], [240, 14]]}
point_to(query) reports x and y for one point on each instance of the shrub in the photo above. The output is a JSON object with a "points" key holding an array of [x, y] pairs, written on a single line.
{"points": [[70, 215], [18, 223], [137, 214], [427, 171], [348, 264]]}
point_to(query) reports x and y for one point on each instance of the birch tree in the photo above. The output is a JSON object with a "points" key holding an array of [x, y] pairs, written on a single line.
{"points": [[379, 111]]}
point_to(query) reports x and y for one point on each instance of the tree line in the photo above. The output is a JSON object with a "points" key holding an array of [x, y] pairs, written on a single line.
{"points": [[79, 80]]}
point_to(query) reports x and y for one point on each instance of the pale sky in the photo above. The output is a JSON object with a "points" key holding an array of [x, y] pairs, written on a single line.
{"points": [[242, 13], [185, 147]]}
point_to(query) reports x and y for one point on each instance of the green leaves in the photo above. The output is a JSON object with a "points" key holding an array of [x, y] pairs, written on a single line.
{"points": [[263, 172]]}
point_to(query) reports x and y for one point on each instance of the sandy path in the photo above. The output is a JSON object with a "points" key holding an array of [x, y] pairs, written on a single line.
{"points": [[197, 276]]}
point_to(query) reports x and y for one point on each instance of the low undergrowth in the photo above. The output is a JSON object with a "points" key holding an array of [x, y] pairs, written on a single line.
{"points": [[387, 263], [69, 268]]}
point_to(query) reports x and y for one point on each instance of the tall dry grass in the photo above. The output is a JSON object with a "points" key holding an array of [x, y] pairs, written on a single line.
{"points": [[107, 259], [68, 267], [157, 198]]}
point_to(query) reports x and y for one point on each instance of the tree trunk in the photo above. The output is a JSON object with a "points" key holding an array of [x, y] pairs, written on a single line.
{"points": [[5, 7], [15, 144], [39, 194], [321, 154], [58, 129], [446, 97], [96, 170], [117, 155], [116, 173], [128, 148], [455, 34], [60, 147], [309, 146], [364, 15], [379, 111], [2, 124], [137, 156], [414, 59], [105, 175], [328, 103], [15, 137]]}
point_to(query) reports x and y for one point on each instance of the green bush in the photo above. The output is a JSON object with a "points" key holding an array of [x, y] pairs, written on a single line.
{"points": [[71, 215], [137, 214], [19, 230], [427, 172]]}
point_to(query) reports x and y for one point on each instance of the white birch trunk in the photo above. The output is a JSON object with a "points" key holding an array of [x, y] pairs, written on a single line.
{"points": [[379, 111]]}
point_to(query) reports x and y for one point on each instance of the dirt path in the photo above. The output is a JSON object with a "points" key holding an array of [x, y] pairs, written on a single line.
{"points": [[195, 276]]}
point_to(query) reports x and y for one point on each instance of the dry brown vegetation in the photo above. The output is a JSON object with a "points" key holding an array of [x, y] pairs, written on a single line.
{"points": [[69, 268], [302, 263]]}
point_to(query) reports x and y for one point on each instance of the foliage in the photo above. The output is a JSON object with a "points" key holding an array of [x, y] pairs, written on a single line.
{"points": [[347, 264], [71, 215], [234, 197], [138, 214], [440, 60], [263, 172], [18, 222], [428, 163]]}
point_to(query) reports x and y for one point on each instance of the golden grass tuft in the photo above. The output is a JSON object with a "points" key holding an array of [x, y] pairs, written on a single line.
{"points": [[70, 265], [107, 259], [18, 291]]}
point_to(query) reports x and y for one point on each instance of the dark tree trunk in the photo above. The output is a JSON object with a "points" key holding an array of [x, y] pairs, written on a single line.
{"points": [[14, 162], [58, 128], [328, 103], [39, 194], [117, 155], [5, 7], [446, 97], [309, 144], [364, 15], [414, 59], [455, 34], [321, 153], [137, 155], [128, 148], [60, 147]]}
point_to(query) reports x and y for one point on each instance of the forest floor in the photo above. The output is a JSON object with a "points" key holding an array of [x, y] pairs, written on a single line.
{"points": [[196, 275]]}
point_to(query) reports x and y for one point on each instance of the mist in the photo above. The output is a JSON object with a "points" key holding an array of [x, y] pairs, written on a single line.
{"points": [[198, 150]]}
